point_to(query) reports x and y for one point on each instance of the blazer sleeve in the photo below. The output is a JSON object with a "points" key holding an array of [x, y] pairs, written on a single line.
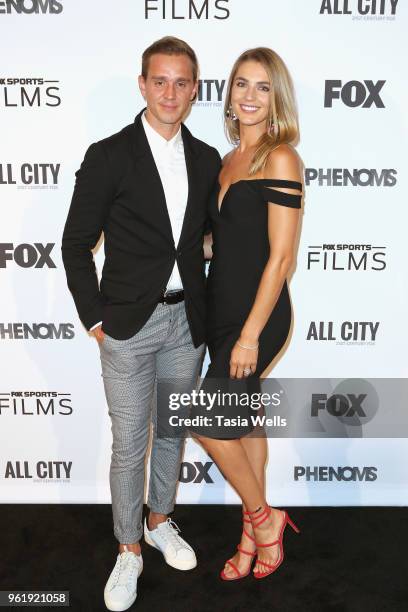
{"points": [[85, 222]]}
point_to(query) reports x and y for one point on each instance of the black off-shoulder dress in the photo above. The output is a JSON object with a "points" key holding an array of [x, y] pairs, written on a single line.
{"points": [[240, 252]]}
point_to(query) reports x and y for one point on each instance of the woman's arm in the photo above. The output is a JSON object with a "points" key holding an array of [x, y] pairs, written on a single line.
{"points": [[284, 164]]}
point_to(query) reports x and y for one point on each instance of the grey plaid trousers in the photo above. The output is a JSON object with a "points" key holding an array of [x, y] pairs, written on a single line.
{"points": [[131, 368]]}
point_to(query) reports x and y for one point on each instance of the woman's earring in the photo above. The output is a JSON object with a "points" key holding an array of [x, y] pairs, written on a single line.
{"points": [[271, 128], [230, 114]]}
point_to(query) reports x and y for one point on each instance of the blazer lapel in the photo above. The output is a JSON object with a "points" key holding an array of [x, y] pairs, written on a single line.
{"points": [[149, 177], [190, 154]]}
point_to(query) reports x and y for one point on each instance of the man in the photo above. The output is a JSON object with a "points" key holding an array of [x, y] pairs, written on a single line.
{"points": [[147, 188]]}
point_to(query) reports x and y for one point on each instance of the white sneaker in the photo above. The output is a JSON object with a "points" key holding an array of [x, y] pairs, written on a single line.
{"points": [[121, 588], [176, 551]]}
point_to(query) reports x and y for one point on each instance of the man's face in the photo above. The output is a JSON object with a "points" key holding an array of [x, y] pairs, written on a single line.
{"points": [[168, 87]]}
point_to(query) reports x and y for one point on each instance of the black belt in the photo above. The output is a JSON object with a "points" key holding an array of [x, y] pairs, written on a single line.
{"points": [[171, 297]]}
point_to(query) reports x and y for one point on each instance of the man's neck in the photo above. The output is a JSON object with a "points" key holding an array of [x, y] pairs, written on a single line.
{"points": [[166, 130]]}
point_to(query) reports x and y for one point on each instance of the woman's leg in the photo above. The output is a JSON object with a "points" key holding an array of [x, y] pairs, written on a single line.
{"points": [[232, 460], [242, 461], [256, 451], [256, 447]]}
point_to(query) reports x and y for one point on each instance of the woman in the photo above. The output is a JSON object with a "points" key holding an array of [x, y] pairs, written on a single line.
{"points": [[254, 228]]}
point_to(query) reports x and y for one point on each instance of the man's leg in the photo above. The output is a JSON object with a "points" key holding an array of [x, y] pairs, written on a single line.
{"points": [[129, 371], [180, 361]]}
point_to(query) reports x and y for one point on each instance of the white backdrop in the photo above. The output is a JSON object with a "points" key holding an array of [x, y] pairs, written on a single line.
{"points": [[89, 52]]}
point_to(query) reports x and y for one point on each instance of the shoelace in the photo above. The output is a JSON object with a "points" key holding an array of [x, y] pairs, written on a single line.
{"points": [[123, 571], [170, 531]]}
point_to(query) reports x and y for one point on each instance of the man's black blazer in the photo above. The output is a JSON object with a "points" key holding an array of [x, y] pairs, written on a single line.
{"points": [[118, 191]]}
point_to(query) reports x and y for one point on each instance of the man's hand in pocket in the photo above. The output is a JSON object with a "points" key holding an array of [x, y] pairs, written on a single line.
{"points": [[98, 334]]}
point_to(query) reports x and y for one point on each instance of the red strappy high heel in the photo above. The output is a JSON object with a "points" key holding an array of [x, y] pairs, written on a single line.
{"points": [[238, 576], [256, 522]]}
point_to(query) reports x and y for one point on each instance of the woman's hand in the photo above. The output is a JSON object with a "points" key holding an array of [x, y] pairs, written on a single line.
{"points": [[243, 360]]}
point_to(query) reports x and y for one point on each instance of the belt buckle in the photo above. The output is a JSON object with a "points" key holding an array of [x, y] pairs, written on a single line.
{"points": [[165, 296], [169, 294]]}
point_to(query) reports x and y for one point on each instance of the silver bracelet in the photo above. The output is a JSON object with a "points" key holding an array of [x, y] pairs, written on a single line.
{"points": [[251, 348]]}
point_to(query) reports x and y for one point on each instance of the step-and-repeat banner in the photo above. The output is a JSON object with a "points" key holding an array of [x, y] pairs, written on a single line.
{"points": [[68, 78]]}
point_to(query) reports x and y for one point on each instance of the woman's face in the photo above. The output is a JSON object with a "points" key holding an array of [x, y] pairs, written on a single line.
{"points": [[250, 93]]}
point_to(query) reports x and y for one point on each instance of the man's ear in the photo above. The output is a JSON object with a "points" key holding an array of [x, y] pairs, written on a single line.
{"points": [[142, 85], [195, 93]]}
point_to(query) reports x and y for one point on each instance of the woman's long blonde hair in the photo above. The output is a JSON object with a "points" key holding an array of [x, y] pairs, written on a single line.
{"points": [[282, 108]]}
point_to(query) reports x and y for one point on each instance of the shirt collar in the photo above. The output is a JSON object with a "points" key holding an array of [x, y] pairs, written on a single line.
{"points": [[158, 142]]}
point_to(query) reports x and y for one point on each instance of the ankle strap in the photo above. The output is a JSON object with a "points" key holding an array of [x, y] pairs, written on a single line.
{"points": [[247, 513], [253, 512], [262, 516]]}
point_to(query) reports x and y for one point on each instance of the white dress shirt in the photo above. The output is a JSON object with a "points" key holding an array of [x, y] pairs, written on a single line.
{"points": [[171, 165]]}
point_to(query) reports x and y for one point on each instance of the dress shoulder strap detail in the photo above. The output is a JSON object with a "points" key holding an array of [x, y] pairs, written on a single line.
{"points": [[281, 183], [281, 197]]}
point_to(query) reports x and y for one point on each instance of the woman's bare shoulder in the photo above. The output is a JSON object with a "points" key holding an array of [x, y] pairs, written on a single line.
{"points": [[283, 162]]}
